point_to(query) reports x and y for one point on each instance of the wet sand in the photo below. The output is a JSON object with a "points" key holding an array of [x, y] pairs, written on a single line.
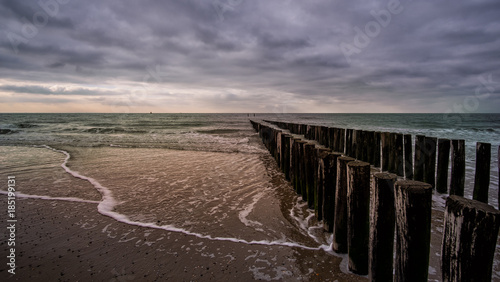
{"points": [[70, 241]]}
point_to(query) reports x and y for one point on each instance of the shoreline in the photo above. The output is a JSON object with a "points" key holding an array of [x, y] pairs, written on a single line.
{"points": [[71, 241]]}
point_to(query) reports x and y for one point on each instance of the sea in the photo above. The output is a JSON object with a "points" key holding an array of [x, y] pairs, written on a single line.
{"points": [[204, 175]]}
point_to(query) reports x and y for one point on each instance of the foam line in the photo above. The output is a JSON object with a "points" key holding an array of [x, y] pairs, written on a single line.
{"points": [[106, 205], [69, 199]]}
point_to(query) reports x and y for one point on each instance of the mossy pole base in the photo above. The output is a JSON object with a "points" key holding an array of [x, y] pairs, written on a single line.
{"points": [[339, 243], [382, 225], [469, 239], [358, 210], [482, 178], [413, 202]]}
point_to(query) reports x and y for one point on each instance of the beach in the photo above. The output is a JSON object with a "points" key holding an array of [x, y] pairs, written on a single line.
{"points": [[174, 197], [60, 236]]}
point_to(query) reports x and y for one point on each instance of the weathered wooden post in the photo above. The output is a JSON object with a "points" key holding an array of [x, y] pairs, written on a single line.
{"points": [[430, 161], [319, 183], [469, 240], [358, 210], [332, 141], [376, 151], [294, 165], [418, 167], [362, 143], [385, 139], [339, 243], [498, 166], [309, 157], [482, 179], [457, 180], [299, 167], [442, 165], [329, 189], [287, 154], [279, 152], [357, 143], [408, 156], [398, 154], [324, 136], [342, 136], [413, 201], [382, 225], [348, 142], [392, 153]]}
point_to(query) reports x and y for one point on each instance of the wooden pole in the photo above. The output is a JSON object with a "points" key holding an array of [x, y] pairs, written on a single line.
{"points": [[287, 153], [339, 243], [376, 151], [413, 202], [430, 161], [293, 162], [418, 168], [363, 146], [457, 180], [324, 136], [329, 189], [482, 178], [408, 156], [498, 167], [469, 240], [382, 225], [442, 165], [347, 144], [358, 210], [299, 175], [309, 157], [332, 135], [342, 136], [392, 153], [385, 140], [319, 182], [398, 154], [356, 143]]}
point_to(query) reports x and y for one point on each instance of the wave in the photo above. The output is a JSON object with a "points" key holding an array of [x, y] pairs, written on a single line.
{"points": [[7, 131], [107, 204], [25, 125], [107, 130]]}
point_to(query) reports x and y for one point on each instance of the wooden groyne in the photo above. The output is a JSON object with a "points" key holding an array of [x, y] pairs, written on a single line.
{"points": [[332, 169]]}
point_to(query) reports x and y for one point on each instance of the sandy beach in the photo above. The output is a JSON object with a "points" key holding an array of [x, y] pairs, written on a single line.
{"points": [[70, 241]]}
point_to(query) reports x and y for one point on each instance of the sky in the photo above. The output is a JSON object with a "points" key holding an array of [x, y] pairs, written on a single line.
{"points": [[250, 56]]}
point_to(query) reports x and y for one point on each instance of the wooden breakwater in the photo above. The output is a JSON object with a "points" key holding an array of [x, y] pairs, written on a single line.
{"points": [[363, 210]]}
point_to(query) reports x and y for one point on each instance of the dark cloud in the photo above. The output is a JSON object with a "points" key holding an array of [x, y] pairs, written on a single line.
{"points": [[43, 90], [248, 52]]}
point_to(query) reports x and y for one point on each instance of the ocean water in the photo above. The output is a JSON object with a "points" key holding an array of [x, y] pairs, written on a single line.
{"points": [[204, 175]]}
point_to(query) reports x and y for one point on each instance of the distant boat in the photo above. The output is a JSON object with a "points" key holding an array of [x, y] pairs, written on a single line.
{"points": [[150, 112]]}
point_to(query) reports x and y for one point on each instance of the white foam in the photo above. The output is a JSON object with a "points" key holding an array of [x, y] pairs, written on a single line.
{"points": [[242, 215], [107, 204], [69, 199]]}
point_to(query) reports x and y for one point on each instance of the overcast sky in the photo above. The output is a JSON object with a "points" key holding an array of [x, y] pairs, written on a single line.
{"points": [[249, 56]]}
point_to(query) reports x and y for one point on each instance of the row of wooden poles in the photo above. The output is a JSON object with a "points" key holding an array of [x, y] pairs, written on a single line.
{"points": [[336, 181], [397, 156]]}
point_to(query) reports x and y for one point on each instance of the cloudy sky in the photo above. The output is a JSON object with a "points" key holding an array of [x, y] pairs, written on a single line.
{"points": [[249, 56]]}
